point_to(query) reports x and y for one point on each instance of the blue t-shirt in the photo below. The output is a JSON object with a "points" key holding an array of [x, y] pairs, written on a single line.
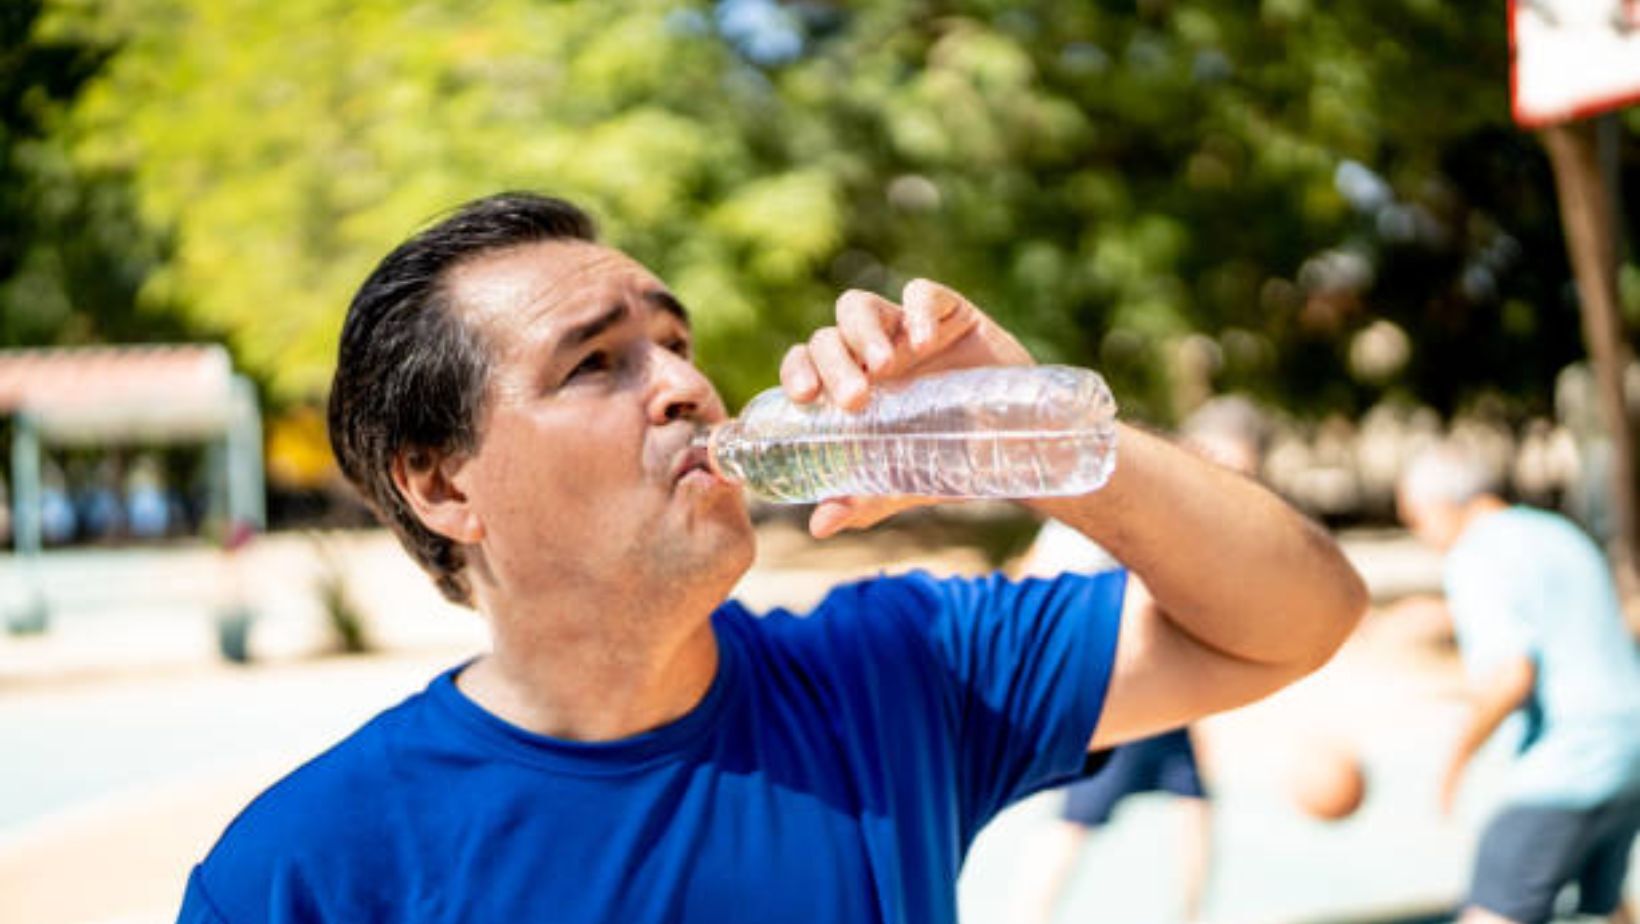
{"points": [[1526, 583], [837, 770]]}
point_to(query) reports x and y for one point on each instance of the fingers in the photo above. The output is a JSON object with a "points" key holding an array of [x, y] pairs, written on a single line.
{"points": [[934, 314], [875, 339], [947, 331], [841, 361], [833, 516], [798, 376], [868, 324], [829, 518], [840, 371]]}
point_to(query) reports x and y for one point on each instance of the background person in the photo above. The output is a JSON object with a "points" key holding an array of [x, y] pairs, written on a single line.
{"points": [[1231, 432], [1542, 637]]}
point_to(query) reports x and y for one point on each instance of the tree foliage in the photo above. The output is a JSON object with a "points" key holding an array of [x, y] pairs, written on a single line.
{"points": [[1279, 180], [72, 253], [1248, 196]]}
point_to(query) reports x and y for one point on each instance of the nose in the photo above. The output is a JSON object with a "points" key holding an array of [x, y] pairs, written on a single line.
{"points": [[678, 390]]}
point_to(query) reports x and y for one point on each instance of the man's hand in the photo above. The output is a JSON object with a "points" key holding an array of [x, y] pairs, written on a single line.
{"points": [[934, 329], [1504, 687]]}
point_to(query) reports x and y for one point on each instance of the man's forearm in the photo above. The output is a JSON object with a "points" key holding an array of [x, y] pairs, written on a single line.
{"points": [[1491, 699], [1226, 560], [1482, 720]]}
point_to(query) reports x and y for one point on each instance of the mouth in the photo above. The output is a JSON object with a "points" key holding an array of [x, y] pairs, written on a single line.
{"points": [[692, 459]]}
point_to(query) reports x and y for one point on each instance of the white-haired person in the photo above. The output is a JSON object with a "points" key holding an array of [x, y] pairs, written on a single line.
{"points": [[1541, 634]]}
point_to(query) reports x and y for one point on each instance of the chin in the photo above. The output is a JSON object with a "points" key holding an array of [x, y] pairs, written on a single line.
{"points": [[738, 549], [717, 550], [727, 515]]}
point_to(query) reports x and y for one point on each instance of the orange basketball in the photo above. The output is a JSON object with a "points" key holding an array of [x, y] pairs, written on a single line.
{"points": [[1326, 782]]}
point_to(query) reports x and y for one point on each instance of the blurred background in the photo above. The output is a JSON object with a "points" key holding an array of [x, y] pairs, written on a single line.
{"points": [[1332, 210]]}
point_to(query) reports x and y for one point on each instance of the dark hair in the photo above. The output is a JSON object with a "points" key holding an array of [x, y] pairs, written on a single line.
{"points": [[412, 374]]}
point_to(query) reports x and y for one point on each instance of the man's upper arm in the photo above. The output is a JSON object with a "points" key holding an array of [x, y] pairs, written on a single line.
{"points": [[1164, 678], [1490, 604]]}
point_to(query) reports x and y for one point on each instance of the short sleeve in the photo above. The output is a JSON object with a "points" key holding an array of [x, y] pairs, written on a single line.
{"points": [[1027, 665], [1488, 602], [196, 905]]}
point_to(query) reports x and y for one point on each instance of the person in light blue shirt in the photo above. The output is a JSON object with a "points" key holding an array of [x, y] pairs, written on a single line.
{"points": [[1542, 638], [520, 404]]}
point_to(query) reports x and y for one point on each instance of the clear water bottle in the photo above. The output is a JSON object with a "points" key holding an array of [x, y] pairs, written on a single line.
{"points": [[1004, 431]]}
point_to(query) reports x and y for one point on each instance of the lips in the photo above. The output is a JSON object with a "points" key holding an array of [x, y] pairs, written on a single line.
{"points": [[691, 459]]}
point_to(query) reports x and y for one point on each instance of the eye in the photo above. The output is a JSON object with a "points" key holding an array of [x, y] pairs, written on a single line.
{"points": [[678, 345], [594, 362]]}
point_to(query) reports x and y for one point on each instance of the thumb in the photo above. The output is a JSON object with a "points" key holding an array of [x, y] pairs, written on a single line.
{"points": [[838, 514], [829, 518]]}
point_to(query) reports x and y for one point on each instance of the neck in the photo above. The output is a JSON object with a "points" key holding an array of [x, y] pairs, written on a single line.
{"points": [[1481, 507], [583, 667], [1474, 511]]}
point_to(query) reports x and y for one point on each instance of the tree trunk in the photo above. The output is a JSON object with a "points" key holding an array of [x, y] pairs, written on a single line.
{"points": [[1588, 215]]}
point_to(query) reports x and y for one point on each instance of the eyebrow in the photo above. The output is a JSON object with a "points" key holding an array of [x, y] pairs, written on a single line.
{"points": [[590, 330], [666, 302], [581, 333]]}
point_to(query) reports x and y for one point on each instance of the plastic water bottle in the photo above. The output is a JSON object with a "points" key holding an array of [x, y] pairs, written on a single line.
{"points": [[1005, 431]]}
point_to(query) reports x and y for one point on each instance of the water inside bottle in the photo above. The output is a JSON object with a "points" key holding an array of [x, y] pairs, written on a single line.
{"points": [[1036, 432], [1017, 463]]}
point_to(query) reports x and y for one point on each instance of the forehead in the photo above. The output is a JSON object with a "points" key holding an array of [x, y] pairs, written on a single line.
{"points": [[536, 284]]}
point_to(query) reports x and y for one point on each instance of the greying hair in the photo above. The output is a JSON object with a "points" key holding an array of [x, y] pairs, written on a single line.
{"points": [[412, 375], [1447, 473]]}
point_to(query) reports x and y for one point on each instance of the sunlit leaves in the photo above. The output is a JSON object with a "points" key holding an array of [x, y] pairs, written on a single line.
{"points": [[1107, 179]]}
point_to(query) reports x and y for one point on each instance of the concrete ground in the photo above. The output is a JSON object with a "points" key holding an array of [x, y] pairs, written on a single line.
{"points": [[129, 743]]}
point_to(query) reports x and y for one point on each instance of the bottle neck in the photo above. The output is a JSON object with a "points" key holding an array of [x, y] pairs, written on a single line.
{"points": [[716, 442]]}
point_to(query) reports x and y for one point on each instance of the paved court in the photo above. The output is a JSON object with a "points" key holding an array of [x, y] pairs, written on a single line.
{"points": [[129, 745]]}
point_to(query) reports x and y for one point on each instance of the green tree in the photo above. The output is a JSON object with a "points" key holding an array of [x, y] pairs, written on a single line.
{"points": [[287, 146], [1278, 177], [72, 254], [1258, 183]]}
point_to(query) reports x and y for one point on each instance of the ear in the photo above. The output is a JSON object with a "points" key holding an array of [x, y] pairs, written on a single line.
{"points": [[427, 481]]}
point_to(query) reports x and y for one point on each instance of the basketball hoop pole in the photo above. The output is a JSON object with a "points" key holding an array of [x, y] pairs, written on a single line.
{"points": [[1581, 153]]}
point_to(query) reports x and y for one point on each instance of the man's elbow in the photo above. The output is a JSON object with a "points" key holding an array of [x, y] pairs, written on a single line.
{"points": [[1334, 613]]}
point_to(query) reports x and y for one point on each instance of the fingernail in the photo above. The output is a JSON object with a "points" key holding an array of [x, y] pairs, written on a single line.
{"points": [[920, 335], [878, 357], [821, 524]]}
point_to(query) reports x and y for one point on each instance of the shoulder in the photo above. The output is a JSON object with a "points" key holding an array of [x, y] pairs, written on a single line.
{"points": [[919, 589], [294, 806], [323, 815], [1512, 545], [882, 619], [1491, 541], [1520, 525], [902, 618], [842, 605], [853, 615], [920, 594], [1554, 529], [921, 606]]}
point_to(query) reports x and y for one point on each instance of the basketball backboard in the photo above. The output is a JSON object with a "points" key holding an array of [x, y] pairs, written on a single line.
{"points": [[1573, 58]]}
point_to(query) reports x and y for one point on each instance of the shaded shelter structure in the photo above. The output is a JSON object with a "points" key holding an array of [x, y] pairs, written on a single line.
{"points": [[109, 397]]}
